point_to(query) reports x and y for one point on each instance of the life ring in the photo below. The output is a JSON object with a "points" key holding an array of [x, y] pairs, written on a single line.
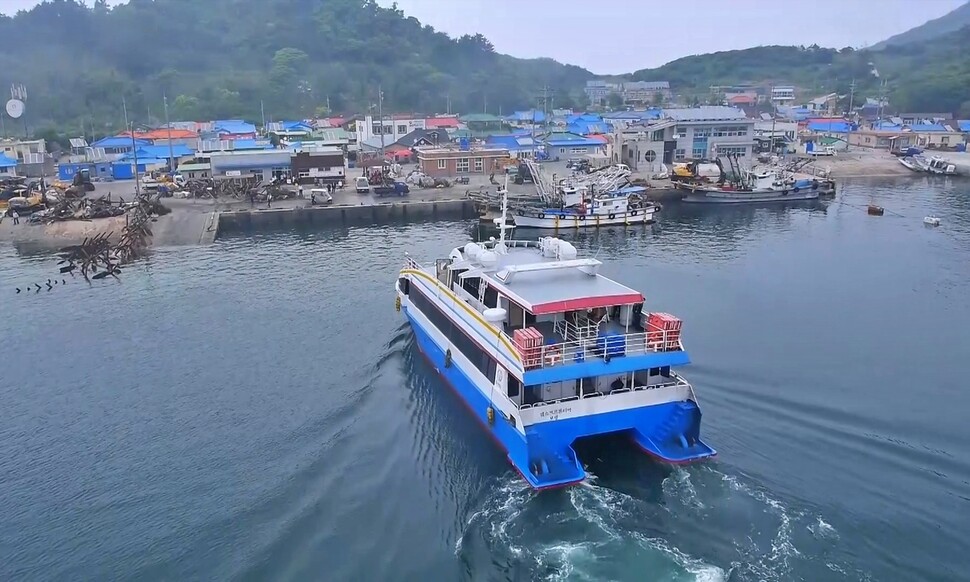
{"points": [[582, 217], [612, 216], [814, 184], [562, 217], [796, 189], [633, 212], [541, 215]]}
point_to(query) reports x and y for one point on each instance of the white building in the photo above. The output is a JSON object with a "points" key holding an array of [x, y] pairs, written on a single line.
{"points": [[783, 95], [684, 134], [394, 127]]}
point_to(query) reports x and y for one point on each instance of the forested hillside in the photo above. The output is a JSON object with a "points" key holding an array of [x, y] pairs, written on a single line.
{"points": [[951, 22], [931, 75], [220, 58]]}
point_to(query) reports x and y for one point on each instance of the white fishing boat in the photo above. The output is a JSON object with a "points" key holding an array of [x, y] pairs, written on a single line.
{"points": [[624, 206], [940, 165]]}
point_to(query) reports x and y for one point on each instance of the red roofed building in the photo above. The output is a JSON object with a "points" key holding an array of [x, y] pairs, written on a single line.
{"points": [[445, 122], [741, 100], [161, 137]]}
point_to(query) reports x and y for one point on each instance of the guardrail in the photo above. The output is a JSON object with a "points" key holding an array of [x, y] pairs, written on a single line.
{"points": [[605, 347], [674, 381]]}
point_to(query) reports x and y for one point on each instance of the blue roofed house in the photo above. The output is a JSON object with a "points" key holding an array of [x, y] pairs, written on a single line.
{"points": [[119, 144], [8, 166], [518, 146], [290, 129], [527, 117], [233, 129], [563, 145], [895, 134]]}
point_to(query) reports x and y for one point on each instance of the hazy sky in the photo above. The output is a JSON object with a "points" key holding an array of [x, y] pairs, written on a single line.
{"points": [[620, 36]]}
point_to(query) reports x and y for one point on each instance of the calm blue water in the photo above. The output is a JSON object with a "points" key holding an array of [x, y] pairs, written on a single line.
{"points": [[257, 410]]}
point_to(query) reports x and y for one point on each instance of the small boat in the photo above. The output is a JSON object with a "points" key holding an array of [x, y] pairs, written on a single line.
{"points": [[874, 210], [939, 165], [544, 350], [910, 164], [931, 221], [624, 206]]}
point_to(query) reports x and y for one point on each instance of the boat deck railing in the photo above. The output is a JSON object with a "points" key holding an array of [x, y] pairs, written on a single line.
{"points": [[601, 347], [673, 380]]}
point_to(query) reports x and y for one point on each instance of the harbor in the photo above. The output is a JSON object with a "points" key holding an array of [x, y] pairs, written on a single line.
{"points": [[332, 421]]}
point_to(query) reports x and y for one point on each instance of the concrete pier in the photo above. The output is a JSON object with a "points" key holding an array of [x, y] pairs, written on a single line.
{"points": [[248, 220]]}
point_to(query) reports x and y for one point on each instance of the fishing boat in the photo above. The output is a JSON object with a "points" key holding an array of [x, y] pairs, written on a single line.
{"points": [[940, 165], [578, 210], [740, 184], [765, 186], [544, 350]]}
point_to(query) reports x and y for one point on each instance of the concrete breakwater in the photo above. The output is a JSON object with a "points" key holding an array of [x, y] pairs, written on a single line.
{"points": [[346, 215]]}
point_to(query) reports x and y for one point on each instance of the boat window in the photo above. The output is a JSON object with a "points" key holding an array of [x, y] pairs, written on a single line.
{"points": [[514, 386], [491, 297], [471, 284], [462, 341]]}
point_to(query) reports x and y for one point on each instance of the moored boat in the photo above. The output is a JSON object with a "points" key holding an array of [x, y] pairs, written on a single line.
{"points": [[764, 187], [545, 350], [620, 207]]}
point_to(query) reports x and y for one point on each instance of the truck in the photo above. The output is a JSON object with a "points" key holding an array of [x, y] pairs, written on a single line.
{"points": [[392, 189]]}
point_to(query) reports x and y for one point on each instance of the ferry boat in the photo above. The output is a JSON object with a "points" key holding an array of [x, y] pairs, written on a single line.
{"points": [[619, 207], [545, 350]]}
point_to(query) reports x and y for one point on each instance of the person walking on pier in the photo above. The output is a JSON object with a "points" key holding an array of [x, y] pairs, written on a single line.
{"points": [[16, 217], [269, 200]]}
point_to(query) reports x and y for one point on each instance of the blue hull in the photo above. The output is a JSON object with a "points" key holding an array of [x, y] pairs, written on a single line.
{"points": [[545, 457]]}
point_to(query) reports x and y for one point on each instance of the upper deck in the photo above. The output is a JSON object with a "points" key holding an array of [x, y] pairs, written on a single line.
{"points": [[580, 323]]}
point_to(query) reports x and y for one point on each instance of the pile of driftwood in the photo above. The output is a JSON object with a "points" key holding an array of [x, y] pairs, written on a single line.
{"points": [[68, 208], [101, 256], [252, 190]]}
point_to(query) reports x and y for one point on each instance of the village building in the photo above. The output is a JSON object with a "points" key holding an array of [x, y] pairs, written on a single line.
{"points": [[684, 134], [456, 161], [322, 164]]}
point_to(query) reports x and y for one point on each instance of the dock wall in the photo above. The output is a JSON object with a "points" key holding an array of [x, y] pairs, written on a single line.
{"points": [[345, 215]]}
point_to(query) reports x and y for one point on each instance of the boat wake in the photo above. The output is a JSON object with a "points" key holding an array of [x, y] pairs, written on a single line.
{"points": [[699, 524]]}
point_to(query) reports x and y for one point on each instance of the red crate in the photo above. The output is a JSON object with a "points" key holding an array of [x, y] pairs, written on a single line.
{"points": [[528, 342], [665, 321]]}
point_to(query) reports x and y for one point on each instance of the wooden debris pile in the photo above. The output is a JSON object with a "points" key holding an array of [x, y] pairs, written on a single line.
{"points": [[101, 256]]}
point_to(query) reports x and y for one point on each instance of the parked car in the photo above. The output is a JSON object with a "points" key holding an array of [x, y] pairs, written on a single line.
{"points": [[362, 185]]}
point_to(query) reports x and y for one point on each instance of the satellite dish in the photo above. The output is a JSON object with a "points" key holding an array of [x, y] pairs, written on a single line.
{"points": [[15, 108]]}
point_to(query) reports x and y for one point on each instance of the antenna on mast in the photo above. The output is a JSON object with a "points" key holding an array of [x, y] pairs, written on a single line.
{"points": [[502, 220]]}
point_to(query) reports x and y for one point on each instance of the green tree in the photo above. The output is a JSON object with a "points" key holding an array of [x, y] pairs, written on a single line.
{"points": [[614, 101], [658, 99]]}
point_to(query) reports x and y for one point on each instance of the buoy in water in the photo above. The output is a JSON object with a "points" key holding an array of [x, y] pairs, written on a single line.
{"points": [[931, 221], [874, 210]]}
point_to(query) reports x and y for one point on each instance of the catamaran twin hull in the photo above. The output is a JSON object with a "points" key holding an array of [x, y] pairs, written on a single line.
{"points": [[535, 390]]}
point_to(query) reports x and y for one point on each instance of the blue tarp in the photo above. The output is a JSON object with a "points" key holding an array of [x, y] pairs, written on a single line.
{"points": [[6, 162], [964, 125]]}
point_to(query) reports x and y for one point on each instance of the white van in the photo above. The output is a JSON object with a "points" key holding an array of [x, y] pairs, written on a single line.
{"points": [[362, 185]]}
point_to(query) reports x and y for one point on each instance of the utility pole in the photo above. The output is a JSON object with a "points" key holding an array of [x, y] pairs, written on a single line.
{"points": [[262, 114], [448, 103], [485, 100], [851, 96], [124, 107], [380, 115], [171, 152], [328, 106], [134, 152]]}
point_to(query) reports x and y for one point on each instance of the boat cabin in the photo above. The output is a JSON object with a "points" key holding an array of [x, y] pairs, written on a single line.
{"points": [[577, 333]]}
